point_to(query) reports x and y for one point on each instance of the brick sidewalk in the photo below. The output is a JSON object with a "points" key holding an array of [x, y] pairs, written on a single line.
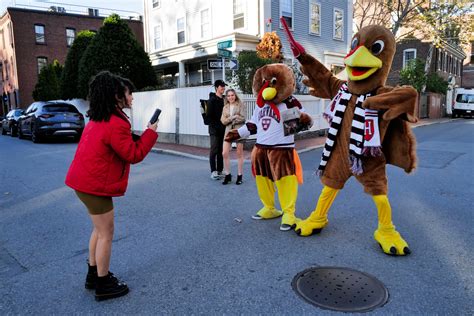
{"points": [[301, 144]]}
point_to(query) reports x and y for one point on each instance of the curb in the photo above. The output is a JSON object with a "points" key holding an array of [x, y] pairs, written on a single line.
{"points": [[178, 153]]}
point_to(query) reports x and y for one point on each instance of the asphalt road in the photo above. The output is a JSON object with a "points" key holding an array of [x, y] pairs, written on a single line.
{"points": [[181, 250]]}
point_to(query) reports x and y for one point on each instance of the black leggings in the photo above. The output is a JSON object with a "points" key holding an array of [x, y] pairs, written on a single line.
{"points": [[216, 160]]}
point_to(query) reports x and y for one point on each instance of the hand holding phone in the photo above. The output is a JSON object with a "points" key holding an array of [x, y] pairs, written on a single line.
{"points": [[155, 116]]}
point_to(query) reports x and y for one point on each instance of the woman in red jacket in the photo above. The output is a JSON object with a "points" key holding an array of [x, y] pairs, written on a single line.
{"points": [[100, 171]]}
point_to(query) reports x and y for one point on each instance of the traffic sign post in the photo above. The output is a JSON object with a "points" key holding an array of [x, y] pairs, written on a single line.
{"points": [[224, 53]]}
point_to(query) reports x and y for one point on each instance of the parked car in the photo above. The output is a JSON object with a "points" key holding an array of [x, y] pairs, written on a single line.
{"points": [[51, 119], [10, 122], [463, 102]]}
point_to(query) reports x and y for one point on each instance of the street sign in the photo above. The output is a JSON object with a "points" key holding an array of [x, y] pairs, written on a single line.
{"points": [[232, 64], [224, 44], [213, 64], [224, 53]]}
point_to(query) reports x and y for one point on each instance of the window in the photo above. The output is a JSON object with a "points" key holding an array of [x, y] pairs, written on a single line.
{"points": [[472, 53], [70, 36], [181, 33], [41, 62], [337, 69], [93, 12], [205, 74], [157, 37], [39, 34], [156, 4], [239, 19], [286, 12], [205, 30], [1, 72], [6, 70], [408, 55], [338, 24], [314, 18]]}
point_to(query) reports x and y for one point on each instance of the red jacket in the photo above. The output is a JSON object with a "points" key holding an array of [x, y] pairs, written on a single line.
{"points": [[102, 162]]}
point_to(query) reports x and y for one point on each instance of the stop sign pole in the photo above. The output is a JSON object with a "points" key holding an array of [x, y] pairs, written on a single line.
{"points": [[221, 46]]}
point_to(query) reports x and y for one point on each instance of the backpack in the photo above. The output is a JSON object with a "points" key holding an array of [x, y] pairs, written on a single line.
{"points": [[204, 111]]}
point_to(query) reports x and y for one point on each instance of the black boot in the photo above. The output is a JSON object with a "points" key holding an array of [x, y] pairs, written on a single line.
{"points": [[91, 278], [239, 179], [227, 179], [109, 287]]}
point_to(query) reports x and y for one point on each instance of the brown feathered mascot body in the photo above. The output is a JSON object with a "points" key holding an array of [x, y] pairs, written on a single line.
{"points": [[368, 129], [275, 162]]}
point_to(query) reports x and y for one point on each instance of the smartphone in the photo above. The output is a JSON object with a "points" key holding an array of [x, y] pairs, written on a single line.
{"points": [[155, 116]]}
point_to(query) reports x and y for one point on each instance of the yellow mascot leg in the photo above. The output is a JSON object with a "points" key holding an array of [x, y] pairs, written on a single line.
{"points": [[287, 194], [319, 217], [386, 235], [266, 192]]}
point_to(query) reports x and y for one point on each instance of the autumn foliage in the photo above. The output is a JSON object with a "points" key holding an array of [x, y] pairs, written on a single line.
{"points": [[270, 47]]}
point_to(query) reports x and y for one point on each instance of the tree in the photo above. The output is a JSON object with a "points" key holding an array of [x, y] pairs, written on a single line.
{"points": [[114, 48], [393, 14], [436, 84], [430, 20], [414, 74], [48, 85], [69, 78], [270, 47], [249, 62]]}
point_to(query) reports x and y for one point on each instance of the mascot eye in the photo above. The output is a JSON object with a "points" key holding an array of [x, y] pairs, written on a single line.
{"points": [[354, 43], [377, 47], [274, 80]]}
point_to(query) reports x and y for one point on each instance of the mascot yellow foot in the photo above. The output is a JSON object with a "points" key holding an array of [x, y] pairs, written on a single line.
{"points": [[287, 193], [311, 226], [288, 221], [318, 219], [267, 213], [391, 242], [386, 235]]}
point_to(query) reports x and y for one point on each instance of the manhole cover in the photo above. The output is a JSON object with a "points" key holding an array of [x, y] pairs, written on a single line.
{"points": [[340, 289]]}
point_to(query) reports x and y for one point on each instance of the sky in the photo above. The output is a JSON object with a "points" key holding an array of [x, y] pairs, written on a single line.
{"points": [[134, 6]]}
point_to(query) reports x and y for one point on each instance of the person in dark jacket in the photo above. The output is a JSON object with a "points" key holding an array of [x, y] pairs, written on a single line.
{"points": [[216, 129], [100, 171]]}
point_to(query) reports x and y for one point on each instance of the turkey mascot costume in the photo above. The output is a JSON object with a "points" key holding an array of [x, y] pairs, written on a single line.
{"points": [[275, 161], [368, 129]]}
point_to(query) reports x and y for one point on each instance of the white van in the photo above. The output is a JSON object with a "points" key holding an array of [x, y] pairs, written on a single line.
{"points": [[463, 102]]}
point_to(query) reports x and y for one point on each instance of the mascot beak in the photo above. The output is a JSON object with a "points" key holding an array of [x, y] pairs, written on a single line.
{"points": [[361, 64], [269, 93]]}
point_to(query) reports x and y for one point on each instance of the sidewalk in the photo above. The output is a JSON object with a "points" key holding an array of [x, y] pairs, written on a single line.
{"points": [[302, 145]]}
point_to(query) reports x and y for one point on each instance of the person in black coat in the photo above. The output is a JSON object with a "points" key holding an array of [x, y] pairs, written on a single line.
{"points": [[216, 129]]}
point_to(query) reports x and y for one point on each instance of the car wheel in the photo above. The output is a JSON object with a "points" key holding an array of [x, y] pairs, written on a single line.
{"points": [[12, 132], [20, 134], [34, 137], [4, 132]]}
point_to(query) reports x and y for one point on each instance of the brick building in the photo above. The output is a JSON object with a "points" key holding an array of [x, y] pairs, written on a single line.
{"points": [[30, 39], [446, 61], [468, 73]]}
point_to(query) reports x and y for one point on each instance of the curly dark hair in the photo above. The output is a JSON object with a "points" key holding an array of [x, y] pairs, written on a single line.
{"points": [[104, 89]]}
